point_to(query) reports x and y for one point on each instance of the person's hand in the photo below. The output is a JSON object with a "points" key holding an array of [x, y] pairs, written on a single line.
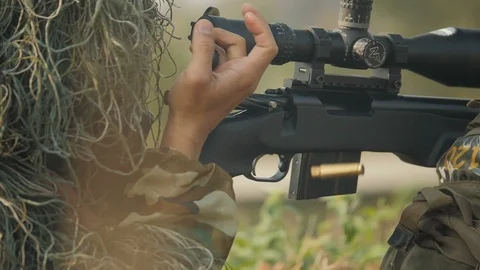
{"points": [[200, 97]]}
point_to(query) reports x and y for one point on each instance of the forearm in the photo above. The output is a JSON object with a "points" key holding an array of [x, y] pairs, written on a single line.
{"points": [[174, 208], [183, 138]]}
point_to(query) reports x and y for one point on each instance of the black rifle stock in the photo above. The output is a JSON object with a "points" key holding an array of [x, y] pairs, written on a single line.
{"points": [[320, 118]]}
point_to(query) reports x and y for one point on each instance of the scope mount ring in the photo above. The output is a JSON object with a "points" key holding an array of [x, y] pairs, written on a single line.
{"points": [[283, 167]]}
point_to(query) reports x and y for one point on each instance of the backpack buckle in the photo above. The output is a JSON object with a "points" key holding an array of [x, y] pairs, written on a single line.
{"points": [[402, 238]]}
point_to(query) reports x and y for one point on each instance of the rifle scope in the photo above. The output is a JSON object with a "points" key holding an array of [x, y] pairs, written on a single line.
{"points": [[450, 56]]}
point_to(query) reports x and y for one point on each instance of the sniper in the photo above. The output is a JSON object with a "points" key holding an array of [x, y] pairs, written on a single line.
{"points": [[79, 186]]}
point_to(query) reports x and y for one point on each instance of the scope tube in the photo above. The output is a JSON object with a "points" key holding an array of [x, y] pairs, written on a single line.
{"points": [[294, 45], [450, 56]]}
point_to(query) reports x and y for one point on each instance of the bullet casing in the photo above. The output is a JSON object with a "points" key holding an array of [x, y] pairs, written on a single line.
{"points": [[326, 171]]}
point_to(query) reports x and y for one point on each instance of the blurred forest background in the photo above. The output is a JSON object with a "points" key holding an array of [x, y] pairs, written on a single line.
{"points": [[330, 233]]}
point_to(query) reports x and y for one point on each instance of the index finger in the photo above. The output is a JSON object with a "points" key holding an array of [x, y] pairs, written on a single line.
{"points": [[203, 46], [265, 48]]}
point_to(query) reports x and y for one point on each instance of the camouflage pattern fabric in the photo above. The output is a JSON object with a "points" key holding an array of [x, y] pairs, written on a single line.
{"points": [[462, 161], [176, 193]]}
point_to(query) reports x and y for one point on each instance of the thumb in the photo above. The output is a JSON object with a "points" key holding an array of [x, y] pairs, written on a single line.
{"points": [[203, 46]]}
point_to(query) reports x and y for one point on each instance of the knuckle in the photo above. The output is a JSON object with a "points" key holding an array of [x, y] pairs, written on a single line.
{"points": [[195, 78], [205, 47], [248, 84], [250, 88], [274, 48], [220, 51], [241, 41]]}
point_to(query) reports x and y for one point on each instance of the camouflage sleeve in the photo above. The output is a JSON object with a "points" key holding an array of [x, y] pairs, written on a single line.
{"points": [[183, 195], [462, 160]]}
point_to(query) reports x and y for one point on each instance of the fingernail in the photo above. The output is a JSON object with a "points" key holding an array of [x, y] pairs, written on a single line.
{"points": [[205, 26], [251, 15]]}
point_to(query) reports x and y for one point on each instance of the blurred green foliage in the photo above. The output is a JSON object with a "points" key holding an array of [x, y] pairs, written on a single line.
{"points": [[346, 233]]}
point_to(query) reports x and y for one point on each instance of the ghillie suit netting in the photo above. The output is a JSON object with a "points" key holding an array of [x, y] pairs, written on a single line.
{"points": [[76, 80]]}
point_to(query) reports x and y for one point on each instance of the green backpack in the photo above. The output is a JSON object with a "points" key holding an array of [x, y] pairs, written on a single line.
{"points": [[440, 229]]}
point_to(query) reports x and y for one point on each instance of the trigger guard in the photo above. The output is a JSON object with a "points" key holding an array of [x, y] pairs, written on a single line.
{"points": [[283, 167]]}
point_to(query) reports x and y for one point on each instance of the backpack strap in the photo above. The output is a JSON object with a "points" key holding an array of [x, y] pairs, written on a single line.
{"points": [[427, 200], [439, 203]]}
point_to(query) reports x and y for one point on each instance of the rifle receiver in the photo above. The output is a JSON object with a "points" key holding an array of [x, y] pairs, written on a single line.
{"points": [[321, 123]]}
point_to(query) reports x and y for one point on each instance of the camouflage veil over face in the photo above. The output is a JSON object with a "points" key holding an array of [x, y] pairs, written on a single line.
{"points": [[76, 79]]}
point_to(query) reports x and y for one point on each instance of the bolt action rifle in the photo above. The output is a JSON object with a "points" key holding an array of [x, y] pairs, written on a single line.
{"points": [[322, 122]]}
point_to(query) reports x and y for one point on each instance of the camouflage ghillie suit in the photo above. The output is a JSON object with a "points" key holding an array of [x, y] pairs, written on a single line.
{"points": [[77, 79]]}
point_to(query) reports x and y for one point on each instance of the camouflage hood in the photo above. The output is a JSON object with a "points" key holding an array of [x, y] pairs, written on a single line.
{"points": [[76, 80]]}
